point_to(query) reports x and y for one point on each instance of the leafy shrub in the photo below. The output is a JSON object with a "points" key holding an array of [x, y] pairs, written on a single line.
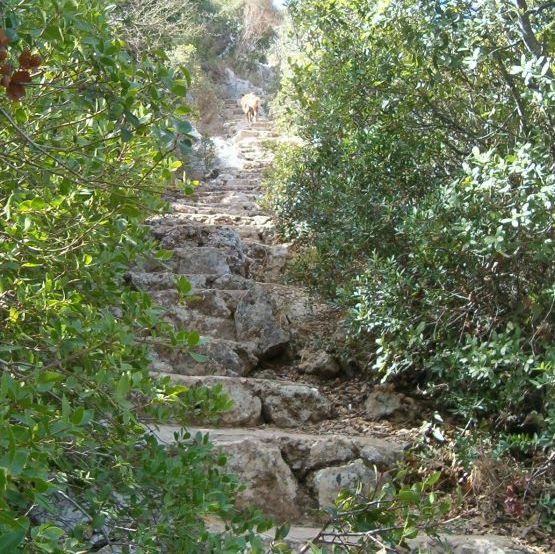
{"points": [[425, 189], [85, 153], [394, 512]]}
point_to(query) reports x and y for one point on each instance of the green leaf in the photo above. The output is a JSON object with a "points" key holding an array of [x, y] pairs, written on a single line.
{"points": [[77, 415], [282, 531], [409, 496], [126, 135], [123, 387], [183, 127], [433, 478], [183, 285], [179, 88], [200, 358], [183, 110], [9, 542]]}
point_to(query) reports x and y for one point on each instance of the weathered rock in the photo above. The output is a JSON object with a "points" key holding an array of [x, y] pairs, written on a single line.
{"points": [[270, 484], [466, 544], [206, 325], [236, 358], [250, 396], [319, 363], [383, 457], [383, 402], [328, 452], [295, 451], [235, 282], [230, 240], [224, 357], [255, 321], [247, 407], [330, 481], [150, 281], [293, 405], [209, 303], [206, 259]]}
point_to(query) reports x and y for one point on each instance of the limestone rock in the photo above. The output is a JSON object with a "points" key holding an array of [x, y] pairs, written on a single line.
{"points": [[384, 402], [270, 485], [331, 451], [228, 239], [236, 358], [150, 281], [383, 457], [225, 357], [330, 481], [205, 259], [210, 304], [466, 544], [255, 321], [295, 451], [250, 397], [293, 405], [246, 409], [235, 282], [319, 363]]}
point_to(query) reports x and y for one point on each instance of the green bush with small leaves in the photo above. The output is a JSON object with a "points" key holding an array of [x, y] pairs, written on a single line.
{"points": [[90, 133], [423, 193]]}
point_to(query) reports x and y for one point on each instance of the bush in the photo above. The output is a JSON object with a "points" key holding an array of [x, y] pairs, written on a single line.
{"points": [[87, 143], [424, 191]]}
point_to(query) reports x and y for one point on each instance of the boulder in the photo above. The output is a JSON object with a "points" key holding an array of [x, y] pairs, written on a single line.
{"points": [[270, 485], [246, 409], [331, 451], [224, 357], [228, 239], [381, 456], [330, 481], [235, 358], [291, 405], [384, 402], [255, 321], [206, 259], [319, 363]]}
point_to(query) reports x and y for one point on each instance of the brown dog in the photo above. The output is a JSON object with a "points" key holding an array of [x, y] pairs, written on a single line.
{"points": [[250, 104]]}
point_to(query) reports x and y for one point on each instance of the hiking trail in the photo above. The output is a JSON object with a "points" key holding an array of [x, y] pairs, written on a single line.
{"points": [[299, 430]]}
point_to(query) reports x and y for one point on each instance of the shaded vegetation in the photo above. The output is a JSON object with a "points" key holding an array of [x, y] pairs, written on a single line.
{"points": [[90, 133], [422, 199]]}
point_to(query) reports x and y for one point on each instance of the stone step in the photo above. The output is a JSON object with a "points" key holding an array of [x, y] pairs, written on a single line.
{"points": [[215, 216], [242, 208], [257, 330], [183, 317], [300, 537], [223, 357], [169, 225], [202, 259], [209, 301], [258, 221], [233, 187], [289, 474], [225, 197], [165, 280], [263, 401], [254, 133]]}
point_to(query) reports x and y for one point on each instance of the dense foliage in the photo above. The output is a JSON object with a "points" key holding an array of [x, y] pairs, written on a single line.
{"points": [[424, 192], [89, 131]]}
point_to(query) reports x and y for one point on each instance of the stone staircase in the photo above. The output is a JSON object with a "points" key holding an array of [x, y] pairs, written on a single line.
{"points": [[262, 340]]}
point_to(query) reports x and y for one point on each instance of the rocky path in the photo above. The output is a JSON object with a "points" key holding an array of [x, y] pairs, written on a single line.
{"points": [[286, 437]]}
